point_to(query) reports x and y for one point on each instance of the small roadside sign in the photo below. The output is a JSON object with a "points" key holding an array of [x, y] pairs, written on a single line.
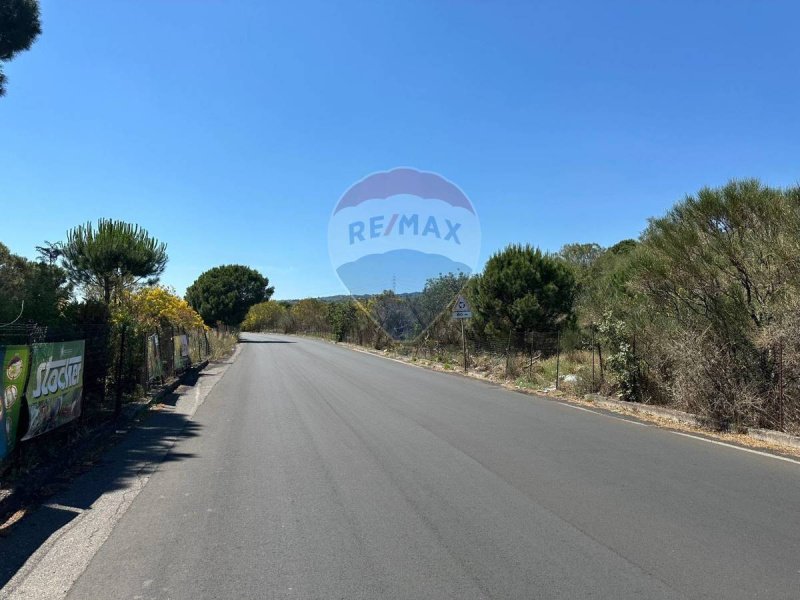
{"points": [[461, 309]]}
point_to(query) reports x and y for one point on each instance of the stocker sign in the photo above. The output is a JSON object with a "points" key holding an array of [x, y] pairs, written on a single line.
{"points": [[55, 387]]}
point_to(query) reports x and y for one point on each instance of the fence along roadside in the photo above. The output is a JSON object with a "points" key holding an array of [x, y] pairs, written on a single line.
{"points": [[110, 367]]}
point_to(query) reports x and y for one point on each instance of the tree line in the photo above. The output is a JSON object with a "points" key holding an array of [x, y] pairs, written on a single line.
{"points": [[103, 271], [101, 284], [700, 312]]}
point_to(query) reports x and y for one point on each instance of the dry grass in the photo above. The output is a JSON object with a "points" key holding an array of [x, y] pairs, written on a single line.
{"points": [[222, 343], [740, 439]]}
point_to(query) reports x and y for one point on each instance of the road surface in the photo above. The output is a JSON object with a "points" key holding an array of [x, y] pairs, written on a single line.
{"points": [[319, 472]]}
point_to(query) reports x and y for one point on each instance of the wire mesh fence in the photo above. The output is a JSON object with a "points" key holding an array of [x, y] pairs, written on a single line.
{"points": [[97, 355], [145, 360], [547, 360], [119, 364]]}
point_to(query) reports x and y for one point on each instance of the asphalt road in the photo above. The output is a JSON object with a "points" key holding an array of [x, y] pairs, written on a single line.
{"points": [[319, 472]]}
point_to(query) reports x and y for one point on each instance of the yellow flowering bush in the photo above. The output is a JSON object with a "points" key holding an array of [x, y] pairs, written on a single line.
{"points": [[154, 306], [266, 316]]}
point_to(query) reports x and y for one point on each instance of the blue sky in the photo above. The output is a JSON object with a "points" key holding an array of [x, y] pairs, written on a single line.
{"points": [[230, 129]]}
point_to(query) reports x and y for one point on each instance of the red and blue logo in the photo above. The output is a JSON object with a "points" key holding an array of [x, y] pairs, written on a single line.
{"points": [[397, 229]]}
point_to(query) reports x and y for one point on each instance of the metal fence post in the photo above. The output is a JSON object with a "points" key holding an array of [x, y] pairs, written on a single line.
{"points": [[508, 352], [593, 390], [464, 343], [780, 385], [118, 391], [558, 356], [530, 356]]}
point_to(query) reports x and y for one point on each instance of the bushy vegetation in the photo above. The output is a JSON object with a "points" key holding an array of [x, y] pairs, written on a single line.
{"points": [[154, 307], [32, 290], [267, 316], [112, 257], [700, 313], [222, 342], [20, 25], [225, 293], [100, 285], [712, 295]]}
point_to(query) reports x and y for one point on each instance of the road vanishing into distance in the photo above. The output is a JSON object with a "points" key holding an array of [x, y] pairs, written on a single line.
{"points": [[319, 472]]}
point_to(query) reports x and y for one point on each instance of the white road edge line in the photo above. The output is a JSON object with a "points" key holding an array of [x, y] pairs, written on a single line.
{"points": [[594, 412], [694, 437], [750, 450], [702, 439]]}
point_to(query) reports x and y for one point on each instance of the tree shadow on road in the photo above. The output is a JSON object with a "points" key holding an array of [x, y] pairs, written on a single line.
{"points": [[119, 461]]}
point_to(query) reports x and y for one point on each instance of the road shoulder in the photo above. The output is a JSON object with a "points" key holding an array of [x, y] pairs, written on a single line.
{"points": [[50, 548], [635, 414]]}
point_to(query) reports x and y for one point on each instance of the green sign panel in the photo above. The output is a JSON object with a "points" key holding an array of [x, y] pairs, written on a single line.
{"points": [[154, 370], [14, 360], [55, 385], [181, 346]]}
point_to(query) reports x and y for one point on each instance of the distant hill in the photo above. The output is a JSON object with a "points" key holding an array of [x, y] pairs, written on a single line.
{"points": [[406, 271], [343, 297]]}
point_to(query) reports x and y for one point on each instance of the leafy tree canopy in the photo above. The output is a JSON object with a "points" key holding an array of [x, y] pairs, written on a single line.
{"points": [[225, 293], [342, 317], [582, 256], [310, 314], [156, 306], [43, 288], [394, 314], [604, 285], [19, 27], [112, 257], [725, 257], [521, 289], [436, 299], [266, 316]]}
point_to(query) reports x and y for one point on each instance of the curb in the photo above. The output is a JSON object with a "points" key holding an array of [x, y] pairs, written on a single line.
{"points": [[684, 418], [775, 437], [174, 385], [671, 414]]}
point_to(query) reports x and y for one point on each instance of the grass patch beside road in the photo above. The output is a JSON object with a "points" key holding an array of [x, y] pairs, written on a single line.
{"points": [[222, 342]]}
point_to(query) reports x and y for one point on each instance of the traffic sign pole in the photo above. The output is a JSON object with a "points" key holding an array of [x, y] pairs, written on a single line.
{"points": [[464, 344], [461, 311]]}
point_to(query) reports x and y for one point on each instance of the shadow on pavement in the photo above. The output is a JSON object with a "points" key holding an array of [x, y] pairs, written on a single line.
{"points": [[266, 342], [131, 454]]}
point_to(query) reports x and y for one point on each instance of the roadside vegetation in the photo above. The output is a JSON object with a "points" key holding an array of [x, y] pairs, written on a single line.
{"points": [[700, 313], [107, 274], [225, 293], [101, 285], [20, 25]]}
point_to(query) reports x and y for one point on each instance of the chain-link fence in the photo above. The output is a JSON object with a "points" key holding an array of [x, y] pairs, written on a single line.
{"points": [[729, 387], [151, 359], [119, 363], [546, 360], [98, 355]]}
